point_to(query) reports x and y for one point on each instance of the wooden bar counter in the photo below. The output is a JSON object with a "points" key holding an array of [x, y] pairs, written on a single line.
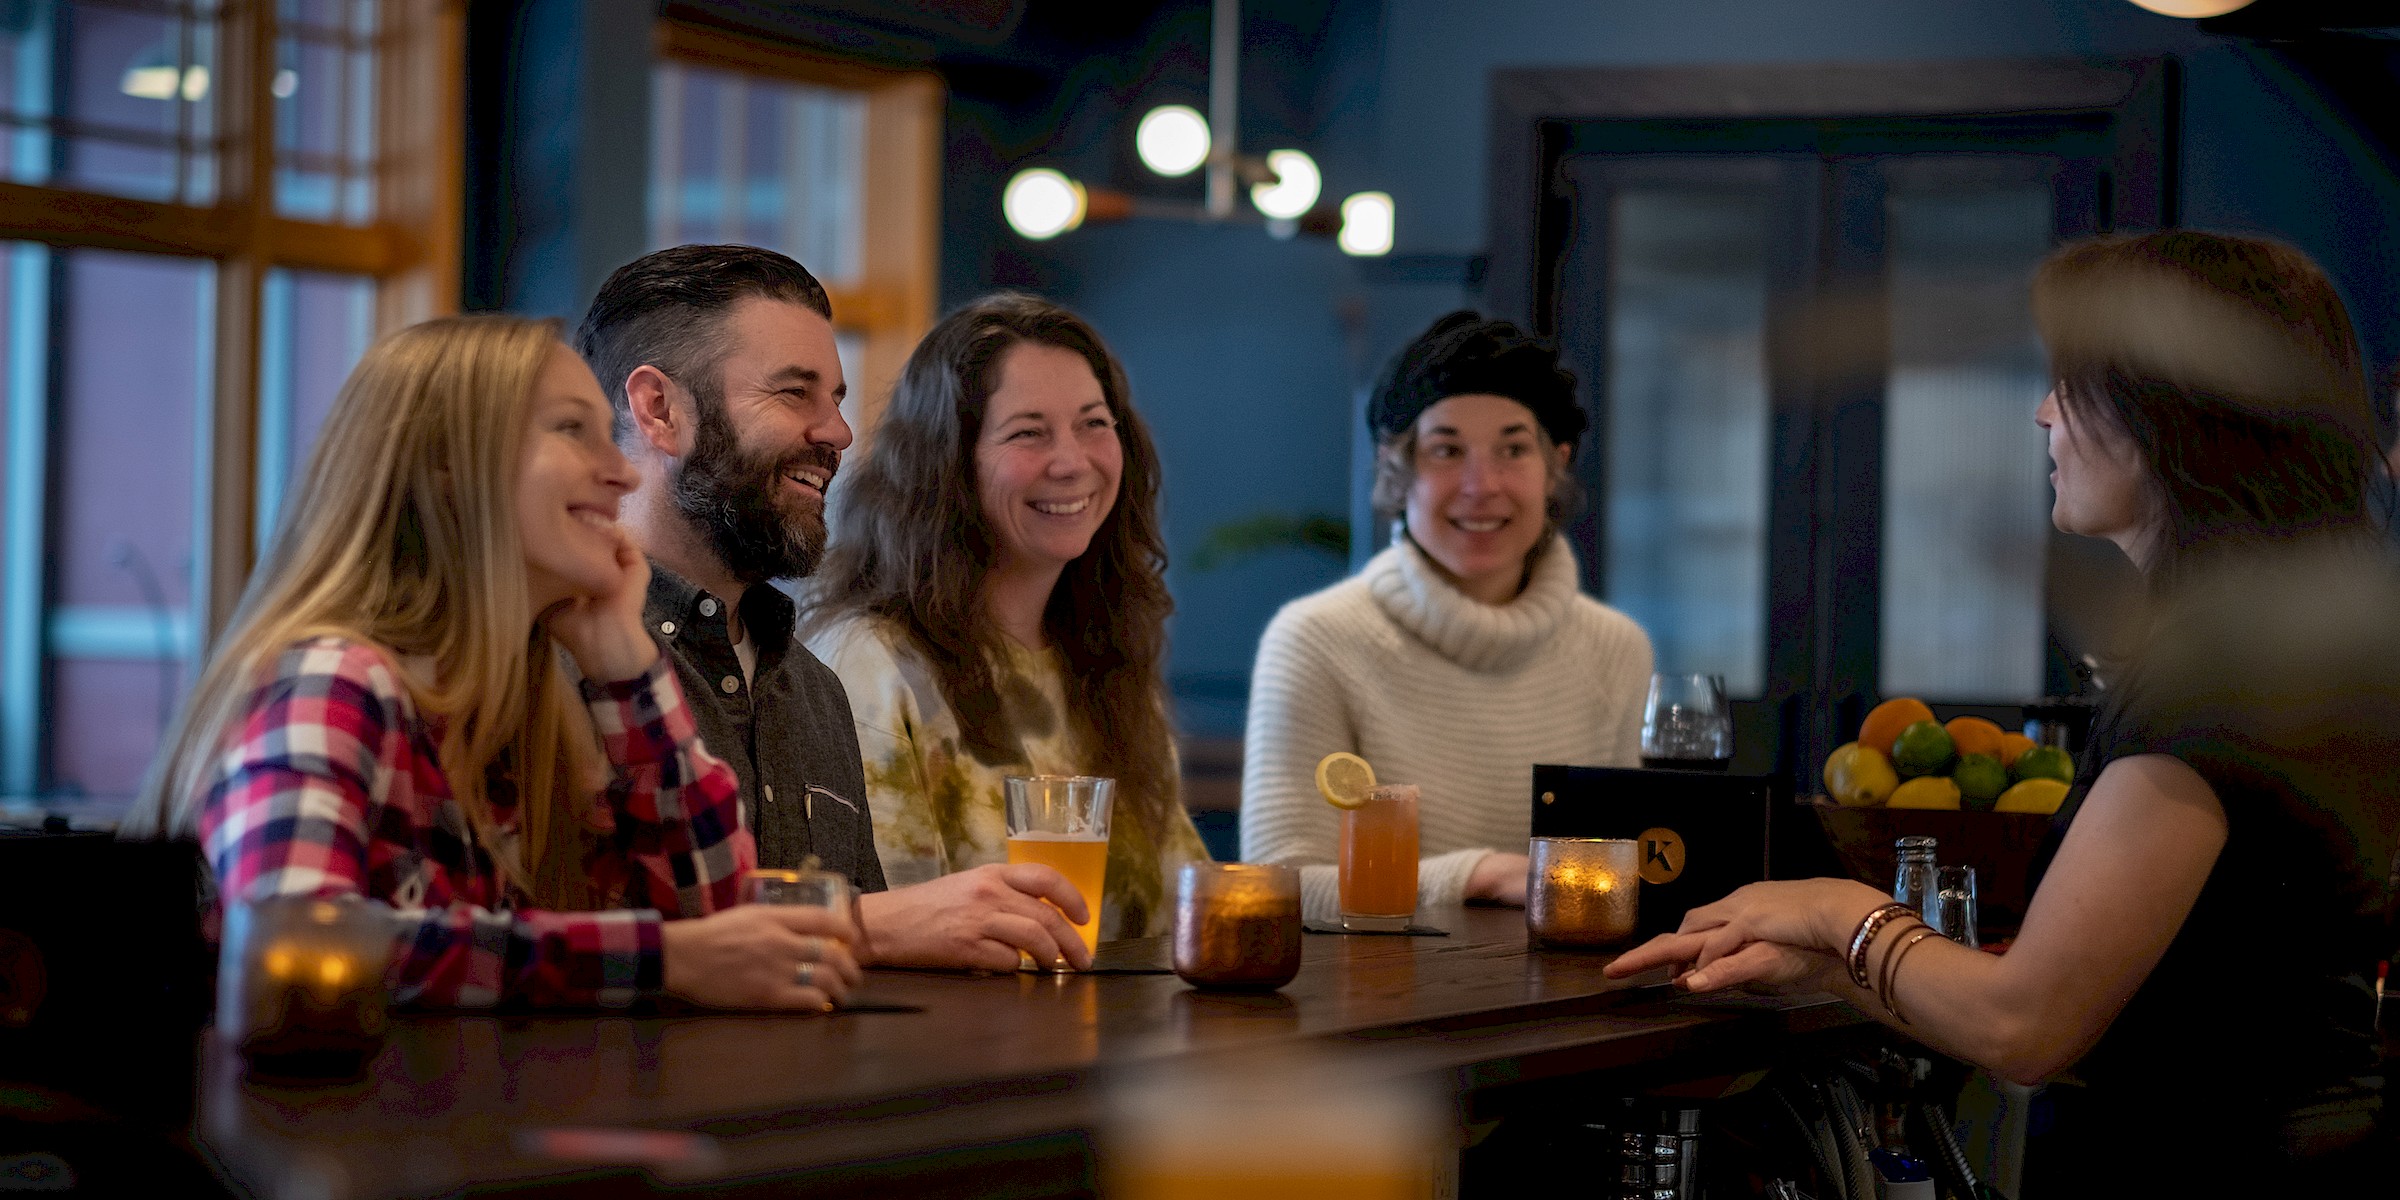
{"points": [[990, 1088]]}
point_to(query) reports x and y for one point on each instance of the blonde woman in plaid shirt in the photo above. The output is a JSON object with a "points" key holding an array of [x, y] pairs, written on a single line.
{"points": [[388, 714]]}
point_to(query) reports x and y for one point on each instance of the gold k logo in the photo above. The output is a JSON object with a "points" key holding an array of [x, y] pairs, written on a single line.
{"points": [[1662, 855]]}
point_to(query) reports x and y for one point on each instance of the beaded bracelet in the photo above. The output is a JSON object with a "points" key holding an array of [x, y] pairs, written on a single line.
{"points": [[1865, 937], [1891, 970]]}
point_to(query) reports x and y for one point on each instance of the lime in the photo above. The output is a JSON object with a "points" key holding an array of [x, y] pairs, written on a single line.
{"points": [[1344, 779], [1980, 779], [1922, 749], [1931, 791], [1857, 777], [2045, 762], [2040, 797]]}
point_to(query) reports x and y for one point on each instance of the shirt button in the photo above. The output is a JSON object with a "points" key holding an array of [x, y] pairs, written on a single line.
{"points": [[731, 685], [768, 790], [708, 608], [667, 628]]}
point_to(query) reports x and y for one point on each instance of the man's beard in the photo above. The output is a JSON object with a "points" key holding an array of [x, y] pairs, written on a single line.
{"points": [[738, 499]]}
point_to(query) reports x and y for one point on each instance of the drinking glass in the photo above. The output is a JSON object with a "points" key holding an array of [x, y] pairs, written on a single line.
{"points": [[1061, 821], [1953, 911], [1379, 860], [1687, 724], [808, 887]]}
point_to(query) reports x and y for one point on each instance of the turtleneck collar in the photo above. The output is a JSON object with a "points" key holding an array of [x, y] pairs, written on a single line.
{"points": [[1481, 637]]}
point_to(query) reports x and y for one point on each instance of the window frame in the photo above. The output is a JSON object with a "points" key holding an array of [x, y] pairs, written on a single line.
{"points": [[891, 304], [411, 250]]}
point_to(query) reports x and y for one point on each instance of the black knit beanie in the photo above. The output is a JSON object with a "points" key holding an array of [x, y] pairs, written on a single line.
{"points": [[1462, 354]]}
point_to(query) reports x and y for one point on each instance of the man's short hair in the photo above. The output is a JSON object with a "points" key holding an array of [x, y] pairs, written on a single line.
{"points": [[667, 309]]}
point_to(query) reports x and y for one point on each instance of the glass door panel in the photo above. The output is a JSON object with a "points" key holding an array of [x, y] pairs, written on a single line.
{"points": [[1684, 432], [1966, 503]]}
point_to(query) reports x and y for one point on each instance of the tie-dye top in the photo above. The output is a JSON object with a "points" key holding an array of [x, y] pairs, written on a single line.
{"points": [[939, 809]]}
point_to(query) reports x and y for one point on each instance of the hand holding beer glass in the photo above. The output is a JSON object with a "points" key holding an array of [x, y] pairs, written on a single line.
{"points": [[1061, 822]]}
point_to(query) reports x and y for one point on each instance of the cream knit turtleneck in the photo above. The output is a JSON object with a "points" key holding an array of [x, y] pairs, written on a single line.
{"points": [[1434, 688]]}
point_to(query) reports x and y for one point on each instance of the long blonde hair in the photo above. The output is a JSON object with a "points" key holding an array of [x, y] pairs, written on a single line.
{"points": [[403, 533]]}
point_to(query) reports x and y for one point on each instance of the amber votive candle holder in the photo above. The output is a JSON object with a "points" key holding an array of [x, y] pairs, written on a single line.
{"points": [[300, 987], [1237, 925], [1582, 891]]}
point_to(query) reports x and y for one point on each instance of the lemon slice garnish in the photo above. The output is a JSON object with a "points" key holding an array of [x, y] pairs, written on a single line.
{"points": [[1344, 779]]}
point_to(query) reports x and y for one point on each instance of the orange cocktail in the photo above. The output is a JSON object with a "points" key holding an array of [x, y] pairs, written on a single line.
{"points": [[1083, 860], [1379, 860]]}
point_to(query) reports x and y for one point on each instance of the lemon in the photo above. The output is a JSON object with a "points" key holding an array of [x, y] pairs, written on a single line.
{"points": [[1928, 791], [2041, 797], [1344, 779], [1858, 777]]}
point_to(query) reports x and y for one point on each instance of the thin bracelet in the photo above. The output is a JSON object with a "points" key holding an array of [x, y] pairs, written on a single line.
{"points": [[1865, 936], [1900, 937], [1891, 970]]}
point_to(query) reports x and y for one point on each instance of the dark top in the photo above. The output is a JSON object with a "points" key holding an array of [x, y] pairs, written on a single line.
{"points": [[2281, 689], [786, 732]]}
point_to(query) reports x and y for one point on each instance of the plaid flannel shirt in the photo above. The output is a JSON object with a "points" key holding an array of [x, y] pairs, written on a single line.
{"points": [[331, 785]]}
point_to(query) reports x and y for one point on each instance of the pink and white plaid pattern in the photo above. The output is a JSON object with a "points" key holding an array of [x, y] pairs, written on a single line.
{"points": [[332, 785]]}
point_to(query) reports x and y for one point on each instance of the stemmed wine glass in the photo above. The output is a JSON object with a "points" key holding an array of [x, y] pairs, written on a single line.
{"points": [[1687, 724]]}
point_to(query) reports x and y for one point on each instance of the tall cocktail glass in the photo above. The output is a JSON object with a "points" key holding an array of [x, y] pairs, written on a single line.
{"points": [[1379, 860], [1061, 821]]}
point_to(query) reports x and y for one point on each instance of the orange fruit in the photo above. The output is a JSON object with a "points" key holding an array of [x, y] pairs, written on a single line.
{"points": [[1883, 725], [1974, 735], [2012, 745]]}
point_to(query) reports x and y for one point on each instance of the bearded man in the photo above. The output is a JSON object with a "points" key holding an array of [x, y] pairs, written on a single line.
{"points": [[721, 365]]}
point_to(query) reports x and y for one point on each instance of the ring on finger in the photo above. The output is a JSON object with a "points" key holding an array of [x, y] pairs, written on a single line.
{"points": [[806, 975]]}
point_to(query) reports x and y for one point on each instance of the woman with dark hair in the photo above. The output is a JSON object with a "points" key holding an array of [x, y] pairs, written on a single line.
{"points": [[1464, 653], [996, 602], [2217, 885]]}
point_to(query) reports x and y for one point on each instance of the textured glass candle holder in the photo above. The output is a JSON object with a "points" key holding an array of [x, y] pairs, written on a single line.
{"points": [[1237, 925], [300, 984], [1582, 892]]}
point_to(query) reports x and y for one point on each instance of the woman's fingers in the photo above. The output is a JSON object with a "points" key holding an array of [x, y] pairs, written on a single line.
{"points": [[1667, 949], [1760, 964]]}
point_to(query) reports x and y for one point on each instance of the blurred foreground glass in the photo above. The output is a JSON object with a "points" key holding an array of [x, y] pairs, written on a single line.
{"points": [[1323, 1129], [806, 888], [1061, 822], [1379, 860], [1237, 925], [300, 984], [1687, 724], [1953, 911], [1582, 891]]}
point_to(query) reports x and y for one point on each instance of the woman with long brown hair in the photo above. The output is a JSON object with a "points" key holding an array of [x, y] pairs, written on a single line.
{"points": [[388, 715], [995, 602]]}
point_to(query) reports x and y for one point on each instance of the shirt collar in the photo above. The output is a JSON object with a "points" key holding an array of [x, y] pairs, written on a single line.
{"points": [[767, 614]]}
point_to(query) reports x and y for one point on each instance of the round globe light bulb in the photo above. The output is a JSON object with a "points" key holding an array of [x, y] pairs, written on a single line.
{"points": [[2192, 8], [1041, 203], [1295, 189], [1172, 139], [1366, 224]]}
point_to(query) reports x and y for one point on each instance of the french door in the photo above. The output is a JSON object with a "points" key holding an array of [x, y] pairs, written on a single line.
{"points": [[1811, 357]]}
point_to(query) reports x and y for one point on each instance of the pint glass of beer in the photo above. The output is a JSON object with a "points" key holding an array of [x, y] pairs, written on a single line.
{"points": [[1061, 821]]}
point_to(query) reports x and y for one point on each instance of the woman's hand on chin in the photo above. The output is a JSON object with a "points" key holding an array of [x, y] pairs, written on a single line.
{"points": [[604, 631]]}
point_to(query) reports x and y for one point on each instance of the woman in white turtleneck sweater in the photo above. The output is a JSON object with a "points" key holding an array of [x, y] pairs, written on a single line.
{"points": [[1464, 653]]}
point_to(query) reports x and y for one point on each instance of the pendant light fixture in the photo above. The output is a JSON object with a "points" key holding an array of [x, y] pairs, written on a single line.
{"points": [[1173, 140]]}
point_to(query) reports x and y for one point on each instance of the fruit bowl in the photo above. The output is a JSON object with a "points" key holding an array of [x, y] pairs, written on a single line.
{"points": [[2000, 846]]}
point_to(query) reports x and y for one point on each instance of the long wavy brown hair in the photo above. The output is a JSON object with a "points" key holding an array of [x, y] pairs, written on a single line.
{"points": [[910, 545]]}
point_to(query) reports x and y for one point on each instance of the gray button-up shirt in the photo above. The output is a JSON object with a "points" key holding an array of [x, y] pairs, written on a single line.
{"points": [[786, 732]]}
